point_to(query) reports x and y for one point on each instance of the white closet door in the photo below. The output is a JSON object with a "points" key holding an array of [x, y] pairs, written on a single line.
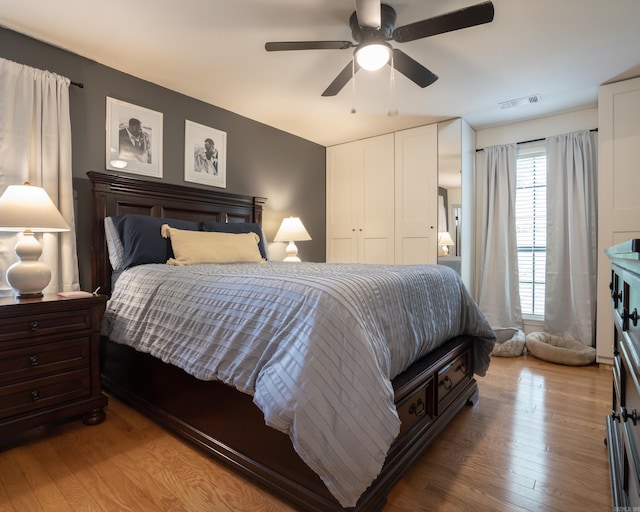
{"points": [[416, 193], [375, 238], [360, 201], [344, 188], [618, 206]]}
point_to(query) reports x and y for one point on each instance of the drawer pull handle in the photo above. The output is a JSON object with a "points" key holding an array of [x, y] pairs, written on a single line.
{"points": [[33, 360], [633, 416], [626, 316], [35, 395], [446, 383], [417, 408], [462, 367], [34, 326]]}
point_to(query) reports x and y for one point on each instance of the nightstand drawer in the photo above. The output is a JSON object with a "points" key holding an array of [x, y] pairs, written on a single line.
{"points": [[27, 326], [37, 360], [45, 392], [452, 378]]}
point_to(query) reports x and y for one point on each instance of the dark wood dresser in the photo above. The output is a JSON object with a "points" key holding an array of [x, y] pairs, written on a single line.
{"points": [[623, 424], [49, 361]]}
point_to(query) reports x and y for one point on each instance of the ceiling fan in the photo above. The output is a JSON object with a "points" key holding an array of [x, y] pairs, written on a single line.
{"points": [[373, 24]]}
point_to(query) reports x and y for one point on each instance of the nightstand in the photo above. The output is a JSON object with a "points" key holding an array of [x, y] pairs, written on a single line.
{"points": [[49, 361]]}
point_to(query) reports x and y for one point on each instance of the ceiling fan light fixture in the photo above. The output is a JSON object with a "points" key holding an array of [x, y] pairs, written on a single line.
{"points": [[373, 56]]}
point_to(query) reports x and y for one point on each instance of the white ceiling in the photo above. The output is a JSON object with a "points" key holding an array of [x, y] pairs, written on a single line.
{"points": [[213, 50]]}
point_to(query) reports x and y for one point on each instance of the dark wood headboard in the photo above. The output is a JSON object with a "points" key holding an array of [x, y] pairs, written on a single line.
{"points": [[115, 194]]}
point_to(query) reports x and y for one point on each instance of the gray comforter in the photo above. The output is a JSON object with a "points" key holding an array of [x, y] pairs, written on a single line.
{"points": [[316, 345]]}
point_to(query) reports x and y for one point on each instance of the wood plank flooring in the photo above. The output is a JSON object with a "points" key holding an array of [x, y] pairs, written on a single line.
{"points": [[533, 442]]}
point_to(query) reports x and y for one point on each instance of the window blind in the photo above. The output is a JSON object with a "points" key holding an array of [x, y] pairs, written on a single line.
{"points": [[531, 226]]}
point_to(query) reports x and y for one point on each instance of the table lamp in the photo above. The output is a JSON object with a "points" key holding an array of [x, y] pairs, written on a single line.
{"points": [[29, 209], [291, 230], [444, 240]]}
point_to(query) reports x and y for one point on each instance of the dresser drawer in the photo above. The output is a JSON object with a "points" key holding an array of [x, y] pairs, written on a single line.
{"points": [[416, 407], [21, 327], [452, 378], [37, 360], [35, 394]]}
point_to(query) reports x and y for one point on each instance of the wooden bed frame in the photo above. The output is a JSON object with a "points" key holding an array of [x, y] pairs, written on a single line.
{"points": [[223, 421]]}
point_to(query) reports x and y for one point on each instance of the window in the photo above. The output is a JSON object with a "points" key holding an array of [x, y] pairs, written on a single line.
{"points": [[531, 226]]}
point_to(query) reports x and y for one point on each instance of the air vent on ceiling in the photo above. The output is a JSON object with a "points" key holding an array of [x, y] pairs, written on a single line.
{"points": [[527, 100]]}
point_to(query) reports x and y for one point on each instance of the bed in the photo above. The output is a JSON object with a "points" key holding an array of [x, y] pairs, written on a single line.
{"points": [[226, 413]]}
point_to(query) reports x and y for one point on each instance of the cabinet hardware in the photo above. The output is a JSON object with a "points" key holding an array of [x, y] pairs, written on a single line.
{"points": [[33, 360], [34, 326], [446, 383], [35, 395], [625, 415], [626, 316], [417, 408], [462, 367]]}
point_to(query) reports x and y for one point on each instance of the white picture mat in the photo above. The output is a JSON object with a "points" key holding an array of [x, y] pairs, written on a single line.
{"points": [[195, 136], [145, 161]]}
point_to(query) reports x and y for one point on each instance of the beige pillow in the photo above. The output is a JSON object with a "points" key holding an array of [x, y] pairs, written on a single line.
{"points": [[192, 247]]}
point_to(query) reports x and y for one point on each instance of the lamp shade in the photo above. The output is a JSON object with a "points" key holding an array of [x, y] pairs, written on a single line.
{"points": [[444, 238], [24, 207], [291, 230], [28, 209]]}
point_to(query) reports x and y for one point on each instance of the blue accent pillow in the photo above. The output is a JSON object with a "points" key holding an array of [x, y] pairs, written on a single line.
{"points": [[141, 238], [237, 227]]}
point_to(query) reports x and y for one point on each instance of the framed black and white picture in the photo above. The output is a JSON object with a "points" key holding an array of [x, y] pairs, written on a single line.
{"points": [[134, 139], [205, 155]]}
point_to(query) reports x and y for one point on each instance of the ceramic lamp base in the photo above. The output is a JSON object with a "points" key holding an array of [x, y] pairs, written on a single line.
{"points": [[29, 276]]}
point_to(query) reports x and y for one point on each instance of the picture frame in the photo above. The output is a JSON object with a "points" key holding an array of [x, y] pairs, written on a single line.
{"points": [[134, 139], [205, 155]]}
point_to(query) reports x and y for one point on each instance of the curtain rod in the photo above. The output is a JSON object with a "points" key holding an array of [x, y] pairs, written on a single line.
{"points": [[77, 84], [534, 140]]}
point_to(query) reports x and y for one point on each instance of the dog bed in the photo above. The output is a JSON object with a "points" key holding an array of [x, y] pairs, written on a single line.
{"points": [[556, 349], [509, 343]]}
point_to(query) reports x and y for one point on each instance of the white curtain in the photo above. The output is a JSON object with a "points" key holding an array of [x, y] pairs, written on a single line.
{"points": [[35, 146], [570, 296], [498, 284]]}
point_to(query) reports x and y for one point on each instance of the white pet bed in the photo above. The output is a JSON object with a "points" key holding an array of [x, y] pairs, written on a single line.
{"points": [[509, 342], [556, 349]]}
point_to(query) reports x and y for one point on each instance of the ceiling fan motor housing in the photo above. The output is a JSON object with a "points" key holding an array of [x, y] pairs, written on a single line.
{"points": [[366, 35]]}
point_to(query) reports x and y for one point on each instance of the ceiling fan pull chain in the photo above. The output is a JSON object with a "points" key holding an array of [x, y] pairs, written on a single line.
{"points": [[393, 95], [353, 86]]}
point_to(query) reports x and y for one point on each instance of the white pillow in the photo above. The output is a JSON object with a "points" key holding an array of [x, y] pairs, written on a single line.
{"points": [[193, 247], [114, 244]]}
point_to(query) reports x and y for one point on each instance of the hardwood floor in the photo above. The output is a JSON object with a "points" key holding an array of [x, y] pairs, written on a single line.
{"points": [[533, 442]]}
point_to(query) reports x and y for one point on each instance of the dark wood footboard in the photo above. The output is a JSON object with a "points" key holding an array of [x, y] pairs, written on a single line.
{"points": [[226, 423]]}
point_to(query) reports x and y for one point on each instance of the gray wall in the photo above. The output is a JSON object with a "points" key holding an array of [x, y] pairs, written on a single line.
{"points": [[261, 160]]}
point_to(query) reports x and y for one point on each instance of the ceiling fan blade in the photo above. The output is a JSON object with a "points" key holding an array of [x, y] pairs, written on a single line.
{"points": [[455, 20], [307, 45], [412, 69], [368, 13], [342, 79]]}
